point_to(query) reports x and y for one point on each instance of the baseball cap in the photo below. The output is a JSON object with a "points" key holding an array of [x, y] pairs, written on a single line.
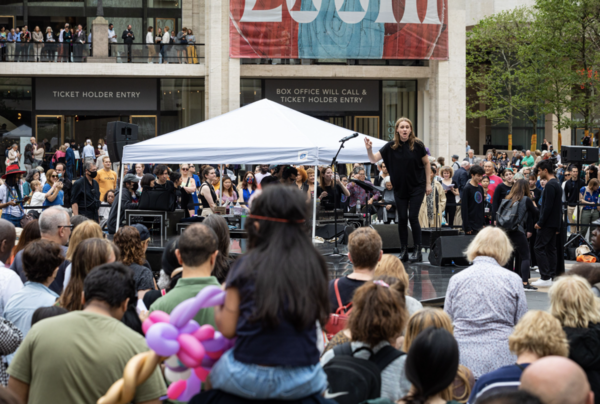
{"points": [[130, 178], [144, 233], [455, 156]]}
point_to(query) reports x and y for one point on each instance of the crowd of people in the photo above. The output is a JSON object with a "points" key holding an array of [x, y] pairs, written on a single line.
{"points": [[74, 294], [66, 44], [72, 304]]}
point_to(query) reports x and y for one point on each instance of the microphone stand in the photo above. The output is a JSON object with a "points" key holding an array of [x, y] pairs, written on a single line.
{"points": [[336, 251]]}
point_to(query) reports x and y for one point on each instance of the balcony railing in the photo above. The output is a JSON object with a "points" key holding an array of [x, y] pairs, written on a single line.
{"points": [[44, 52], [159, 53]]}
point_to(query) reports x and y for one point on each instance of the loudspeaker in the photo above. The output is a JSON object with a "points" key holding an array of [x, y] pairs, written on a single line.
{"points": [[390, 237], [579, 154], [119, 134], [327, 231], [429, 235], [448, 249]]}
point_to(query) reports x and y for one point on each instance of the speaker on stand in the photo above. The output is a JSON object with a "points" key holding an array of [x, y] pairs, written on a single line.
{"points": [[118, 135]]}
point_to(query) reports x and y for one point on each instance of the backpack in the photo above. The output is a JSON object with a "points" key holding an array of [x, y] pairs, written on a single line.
{"points": [[354, 380], [510, 217]]}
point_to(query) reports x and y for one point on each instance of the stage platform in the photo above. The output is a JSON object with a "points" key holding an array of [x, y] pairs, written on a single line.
{"points": [[427, 283]]}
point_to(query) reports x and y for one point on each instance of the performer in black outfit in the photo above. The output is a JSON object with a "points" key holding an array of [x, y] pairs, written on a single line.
{"points": [[407, 163], [548, 225]]}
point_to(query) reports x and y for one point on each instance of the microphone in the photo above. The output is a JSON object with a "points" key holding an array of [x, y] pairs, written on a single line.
{"points": [[352, 136]]}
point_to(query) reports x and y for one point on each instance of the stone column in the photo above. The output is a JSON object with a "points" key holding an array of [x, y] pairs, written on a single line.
{"points": [[100, 42], [222, 73], [447, 90]]}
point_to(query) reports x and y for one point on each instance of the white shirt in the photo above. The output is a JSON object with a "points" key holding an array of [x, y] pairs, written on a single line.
{"points": [[38, 199], [166, 38], [111, 34], [60, 36], [10, 283], [149, 38], [89, 151], [259, 177]]}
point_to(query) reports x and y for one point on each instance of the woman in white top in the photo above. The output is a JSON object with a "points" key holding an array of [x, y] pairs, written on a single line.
{"points": [[139, 172], [164, 49], [150, 45], [13, 155]]}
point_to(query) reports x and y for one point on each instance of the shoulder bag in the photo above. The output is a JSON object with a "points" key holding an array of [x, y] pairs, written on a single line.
{"points": [[338, 321]]}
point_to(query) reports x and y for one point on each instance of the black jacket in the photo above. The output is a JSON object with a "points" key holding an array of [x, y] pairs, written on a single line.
{"points": [[128, 39], [460, 179], [126, 203], [584, 349]]}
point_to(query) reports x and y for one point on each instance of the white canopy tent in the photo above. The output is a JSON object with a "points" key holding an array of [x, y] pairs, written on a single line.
{"points": [[260, 133]]}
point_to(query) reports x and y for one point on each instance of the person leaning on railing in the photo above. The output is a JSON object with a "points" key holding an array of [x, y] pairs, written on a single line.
{"points": [[192, 55], [49, 48]]}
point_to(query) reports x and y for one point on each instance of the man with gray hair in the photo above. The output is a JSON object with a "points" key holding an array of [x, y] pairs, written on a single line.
{"points": [[55, 225], [88, 154], [461, 176], [85, 196], [557, 380]]}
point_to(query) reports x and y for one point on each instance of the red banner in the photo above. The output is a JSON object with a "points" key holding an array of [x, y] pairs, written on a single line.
{"points": [[333, 29]]}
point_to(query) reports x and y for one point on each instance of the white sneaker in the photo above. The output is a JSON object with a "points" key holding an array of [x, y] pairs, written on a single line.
{"points": [[542, 284]]}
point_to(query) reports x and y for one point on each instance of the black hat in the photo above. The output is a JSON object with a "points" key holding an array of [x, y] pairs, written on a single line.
{"points": [[144, 233]]}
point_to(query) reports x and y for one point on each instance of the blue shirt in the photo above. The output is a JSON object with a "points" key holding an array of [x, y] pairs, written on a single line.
{"points": [[59, 199], [589, 197], [506, 378], [11, 37], [23, 303], [195, 195], [18, 36]]}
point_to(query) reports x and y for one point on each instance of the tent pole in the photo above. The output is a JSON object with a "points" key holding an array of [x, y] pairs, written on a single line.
{"points": [[221, 186], [314, 221], [120, 198]]}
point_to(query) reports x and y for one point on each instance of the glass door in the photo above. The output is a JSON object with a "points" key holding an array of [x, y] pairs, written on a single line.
{"points": [[368, 125], [51, 128], [147, 126]]}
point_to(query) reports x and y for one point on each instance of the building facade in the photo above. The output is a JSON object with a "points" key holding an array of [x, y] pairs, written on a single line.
{"points": [[60, 94]]}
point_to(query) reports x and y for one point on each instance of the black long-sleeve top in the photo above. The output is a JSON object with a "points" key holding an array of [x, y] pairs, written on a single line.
{"points": [[550, 213], [473, 206], [572, 189]]}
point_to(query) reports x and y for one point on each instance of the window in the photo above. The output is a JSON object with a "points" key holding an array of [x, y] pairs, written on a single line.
{"points": [[182, 103], [399, 100]]}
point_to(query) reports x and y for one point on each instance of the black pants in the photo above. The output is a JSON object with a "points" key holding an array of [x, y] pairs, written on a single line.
{"points": [[531, 240], [450, 212], [408, 209], [545, 252], [90, 214], [521, 252]]}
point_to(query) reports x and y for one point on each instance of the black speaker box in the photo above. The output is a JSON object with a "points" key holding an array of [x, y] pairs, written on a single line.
{"points": [[119, 134], [579, 154], [327, 231], [448, 249], [429, 235]]}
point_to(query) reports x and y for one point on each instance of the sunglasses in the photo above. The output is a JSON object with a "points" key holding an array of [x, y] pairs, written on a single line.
{"points": [[185, 169], [54, 176]]}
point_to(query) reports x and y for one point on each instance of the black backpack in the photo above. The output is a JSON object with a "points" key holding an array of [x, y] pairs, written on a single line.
{"points": [[354, 380], [510, 215]]}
